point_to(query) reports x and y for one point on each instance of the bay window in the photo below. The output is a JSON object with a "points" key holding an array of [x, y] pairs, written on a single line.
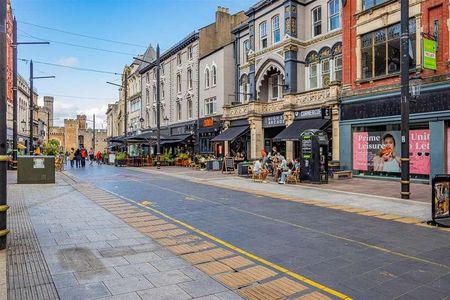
{"points": [[380, 51]]}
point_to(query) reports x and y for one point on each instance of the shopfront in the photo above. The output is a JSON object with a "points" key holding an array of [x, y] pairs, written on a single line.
{"points": [[303, 120], [272, 126], [235, 139], [181, 138], [209, 129], [371, 129]]}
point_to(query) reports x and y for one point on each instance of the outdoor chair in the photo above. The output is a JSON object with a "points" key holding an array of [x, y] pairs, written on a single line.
{"points": [[294, 177], [255, 177]]}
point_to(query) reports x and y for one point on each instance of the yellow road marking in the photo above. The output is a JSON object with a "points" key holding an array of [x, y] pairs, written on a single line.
{"points": [[248, 254]]}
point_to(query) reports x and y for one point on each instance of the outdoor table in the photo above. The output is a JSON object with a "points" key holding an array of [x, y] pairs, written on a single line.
{"points": [[243, 168]]}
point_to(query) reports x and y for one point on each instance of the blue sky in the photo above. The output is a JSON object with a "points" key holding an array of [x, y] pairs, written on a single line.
{"points": [[139, 22]]}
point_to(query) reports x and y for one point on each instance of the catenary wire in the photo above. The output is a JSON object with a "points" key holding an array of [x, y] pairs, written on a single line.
{"points": [[69, 67], [82, 35]]}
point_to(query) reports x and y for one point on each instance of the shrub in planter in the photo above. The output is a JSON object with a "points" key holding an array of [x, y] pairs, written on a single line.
{"points": [[120, 159]]}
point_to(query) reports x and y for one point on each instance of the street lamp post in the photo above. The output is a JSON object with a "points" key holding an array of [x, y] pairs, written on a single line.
{"points": [[15, 44], [405, 97], [31, 105]]}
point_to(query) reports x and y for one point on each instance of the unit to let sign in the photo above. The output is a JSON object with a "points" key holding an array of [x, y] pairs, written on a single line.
{"points": [[429, 54]]}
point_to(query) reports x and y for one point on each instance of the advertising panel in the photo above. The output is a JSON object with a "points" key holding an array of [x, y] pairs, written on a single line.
{"points": [[381, 151], [429, 54]]}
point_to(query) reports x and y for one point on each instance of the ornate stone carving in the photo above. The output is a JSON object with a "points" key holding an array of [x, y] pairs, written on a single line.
{"points": [[311, 98], [290, 47]]}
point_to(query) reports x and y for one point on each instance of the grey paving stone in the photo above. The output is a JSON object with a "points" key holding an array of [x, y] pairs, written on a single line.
{"points": [[68, 267], [114, 252], [147, 247], [210, 297], [167, 278], [228, 296], [194, 273], [96, 275], [101, 263], [164, 254], [83, 292], [142, 257], [203, 287], [128, 296], [128, 284], [124, 243], [170, 292], [136, 269], [169, 264], [64, 280]]}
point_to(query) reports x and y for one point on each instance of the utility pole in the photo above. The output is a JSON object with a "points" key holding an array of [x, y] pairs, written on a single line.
{"points": [[125, 109], [3, 157], [158, 108], [14, 153], [404, 101], [32, 106], [93, 134], [31, 144]]}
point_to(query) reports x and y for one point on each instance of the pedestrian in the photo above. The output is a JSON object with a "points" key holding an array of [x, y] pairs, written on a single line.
{"points": [[72, 157], [84, 155], [78, 158], [91, 156], [98, 157]]}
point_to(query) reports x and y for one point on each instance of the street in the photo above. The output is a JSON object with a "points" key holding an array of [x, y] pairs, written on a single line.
{"points": [[360, 256]]}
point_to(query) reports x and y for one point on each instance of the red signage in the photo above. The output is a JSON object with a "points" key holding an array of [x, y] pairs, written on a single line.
{"points": [[208, 122]]}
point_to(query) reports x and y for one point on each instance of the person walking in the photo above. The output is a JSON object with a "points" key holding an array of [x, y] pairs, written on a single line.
{"points": [[98, 157], [71, 157], [91, 156], [84, 155], [77, 158]]}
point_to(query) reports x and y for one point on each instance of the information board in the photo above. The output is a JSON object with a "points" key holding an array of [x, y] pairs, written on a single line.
{"points": [[440, 206], [228, 165]]}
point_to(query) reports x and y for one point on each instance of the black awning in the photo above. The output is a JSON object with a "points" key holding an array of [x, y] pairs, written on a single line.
{"points": [[230, 134], [146, 136], [176, 139], [117, 139], [293, 131]]}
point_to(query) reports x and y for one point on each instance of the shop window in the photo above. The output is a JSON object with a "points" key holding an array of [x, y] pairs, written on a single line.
{"points": [[263, 34], [276, 29], [205, 145], [317, 21], [334, 14], [380, 51]]}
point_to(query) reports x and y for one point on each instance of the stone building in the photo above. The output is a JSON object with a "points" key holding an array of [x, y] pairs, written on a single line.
{"points": [[113, 120], [76, 133], [288, 70], [23, 111]]}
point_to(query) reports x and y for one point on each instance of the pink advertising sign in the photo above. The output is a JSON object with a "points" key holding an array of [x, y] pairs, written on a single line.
{"points": [[379, 151]]}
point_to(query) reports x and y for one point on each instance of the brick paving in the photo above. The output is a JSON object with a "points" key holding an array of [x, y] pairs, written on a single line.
{"points": [[28, 274]]}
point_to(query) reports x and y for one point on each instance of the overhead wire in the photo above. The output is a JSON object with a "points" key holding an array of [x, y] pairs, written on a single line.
{"points": [[82, 35], [76, 45], [78, 97], [70, 67]]}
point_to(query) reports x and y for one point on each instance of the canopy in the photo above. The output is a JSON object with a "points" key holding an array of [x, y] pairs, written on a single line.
{"points": [[293, 131], [230, 134], [145, 137]]}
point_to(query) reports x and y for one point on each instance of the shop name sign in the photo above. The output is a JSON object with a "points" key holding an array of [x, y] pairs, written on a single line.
{"points": [[273, 121], [429, 54], [209, 122], [313, 114]]}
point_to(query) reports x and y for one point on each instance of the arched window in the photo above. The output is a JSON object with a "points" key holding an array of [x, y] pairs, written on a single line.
{"points": [[244, 96], [324, 56], [336, 52], [214, 75], [207, 78], [189, 108], [178, 111], [312, 60], [189, 76], [179, 83]]}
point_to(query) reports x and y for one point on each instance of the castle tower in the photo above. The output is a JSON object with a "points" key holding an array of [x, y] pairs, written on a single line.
{"points": [[81, 122], [48, 104]]}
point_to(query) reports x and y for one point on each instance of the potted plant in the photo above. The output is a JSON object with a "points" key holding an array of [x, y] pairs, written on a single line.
{"points": [[120, 159], [182, 159]]}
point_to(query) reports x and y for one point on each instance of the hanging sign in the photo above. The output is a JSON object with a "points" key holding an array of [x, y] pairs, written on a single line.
{"points": [[429, 54]]}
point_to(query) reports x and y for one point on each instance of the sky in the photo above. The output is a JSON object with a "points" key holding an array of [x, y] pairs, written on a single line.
{"points": [[131, 24]]}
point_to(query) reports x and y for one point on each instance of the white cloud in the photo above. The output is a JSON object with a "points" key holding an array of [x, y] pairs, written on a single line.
{"points": [[64, 110], [68, 61]]}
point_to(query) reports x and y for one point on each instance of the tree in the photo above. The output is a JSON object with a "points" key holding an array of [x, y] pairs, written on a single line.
{"points": [[51, 148]]}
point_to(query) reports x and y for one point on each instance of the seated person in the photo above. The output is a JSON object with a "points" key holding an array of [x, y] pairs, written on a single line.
{"points": [[260, 169], [296, 164], [285, 171]]}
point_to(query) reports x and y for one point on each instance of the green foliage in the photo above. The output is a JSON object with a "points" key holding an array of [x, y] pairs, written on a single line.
{"points": [[120, 156], [52, 148], [182, 156]]}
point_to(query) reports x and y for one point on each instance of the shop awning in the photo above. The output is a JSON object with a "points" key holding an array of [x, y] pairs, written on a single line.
{"points": [[230, 134], [175, 139], [117, 139], [293, 131], [145, 137]]}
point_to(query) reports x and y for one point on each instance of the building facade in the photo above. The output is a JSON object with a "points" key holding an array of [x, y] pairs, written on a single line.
{"points": [[287, 75], [370, 114], [112, 120], [23, 110]]}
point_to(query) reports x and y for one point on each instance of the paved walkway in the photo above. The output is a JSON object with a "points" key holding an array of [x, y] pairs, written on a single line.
{"points": [[366, 201], [63, 245]]}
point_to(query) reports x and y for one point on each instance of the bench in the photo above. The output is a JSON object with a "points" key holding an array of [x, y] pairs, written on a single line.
{"points": [[342, 174]]}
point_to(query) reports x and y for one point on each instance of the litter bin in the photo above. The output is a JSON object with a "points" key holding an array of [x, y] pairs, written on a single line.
{"points": [[35, 169]]}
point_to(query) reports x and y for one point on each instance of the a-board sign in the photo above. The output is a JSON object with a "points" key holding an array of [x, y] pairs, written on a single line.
{"points": [[228, 165], [440, 206]]}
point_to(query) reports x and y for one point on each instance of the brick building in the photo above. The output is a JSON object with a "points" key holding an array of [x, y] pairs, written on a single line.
{"points": [[370, 104]]}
